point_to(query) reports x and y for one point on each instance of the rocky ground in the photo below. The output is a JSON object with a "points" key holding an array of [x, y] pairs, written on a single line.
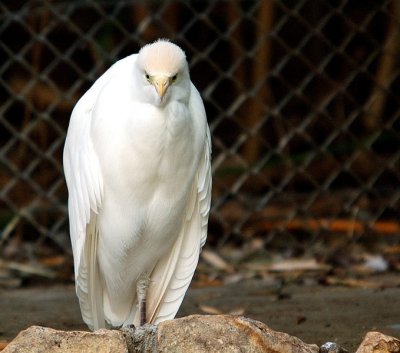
{"points": [[314, 313]]}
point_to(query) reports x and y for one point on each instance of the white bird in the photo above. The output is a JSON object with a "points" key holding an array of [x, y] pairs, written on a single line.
{"points": [[137, 166]]}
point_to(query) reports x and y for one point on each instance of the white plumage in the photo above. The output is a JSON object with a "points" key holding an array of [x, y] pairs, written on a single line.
{"points": [[137, 166]]}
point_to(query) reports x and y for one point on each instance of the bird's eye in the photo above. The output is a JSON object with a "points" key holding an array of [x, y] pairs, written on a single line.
{"points": [[147, 76], [173, 78]]}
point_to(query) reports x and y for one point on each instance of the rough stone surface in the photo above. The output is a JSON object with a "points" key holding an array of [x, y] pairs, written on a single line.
{"points": [[38, 339], [225, 334], [141, 339], [376, 342], [192, 334]]}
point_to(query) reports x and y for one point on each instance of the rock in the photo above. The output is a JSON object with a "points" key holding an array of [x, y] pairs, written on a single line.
{"points": [[332, 347], [38, 339], [141, 339], [192, 334], [225, 334], [376, 342]]}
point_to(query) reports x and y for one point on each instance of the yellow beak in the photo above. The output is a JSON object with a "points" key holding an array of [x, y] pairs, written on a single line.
{"points": [[161, 84]]}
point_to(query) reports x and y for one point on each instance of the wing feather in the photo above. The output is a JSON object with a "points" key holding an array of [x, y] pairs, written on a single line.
{"points": [[85, 192]]}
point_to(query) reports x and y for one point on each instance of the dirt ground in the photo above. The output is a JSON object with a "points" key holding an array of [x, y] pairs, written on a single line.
{"points": [[312, 312]]}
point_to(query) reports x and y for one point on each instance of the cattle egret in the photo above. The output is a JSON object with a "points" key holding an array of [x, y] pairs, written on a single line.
{"points": [[137, 166]]}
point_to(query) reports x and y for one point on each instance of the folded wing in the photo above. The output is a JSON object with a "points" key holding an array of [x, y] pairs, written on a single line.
{"points": [[85, 192]]}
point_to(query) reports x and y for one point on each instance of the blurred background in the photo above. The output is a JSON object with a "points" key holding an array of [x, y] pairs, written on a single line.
{"points": [[302, 98]]}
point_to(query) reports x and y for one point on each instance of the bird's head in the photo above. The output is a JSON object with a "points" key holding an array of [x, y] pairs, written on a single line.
{"points": [[163, 70]]}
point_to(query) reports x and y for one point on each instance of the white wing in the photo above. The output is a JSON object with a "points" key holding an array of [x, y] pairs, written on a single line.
{"points": [[85, 191], [173, 274]]}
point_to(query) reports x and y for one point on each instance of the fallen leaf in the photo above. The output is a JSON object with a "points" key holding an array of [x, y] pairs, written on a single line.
{"points": [[298, 265], [53, 261], [288, 265], [209, 310], [392, 249], [203, 280], [236, 311], [213, 259], [353, 282], [233, 278], [27, 269], [301, 319]]}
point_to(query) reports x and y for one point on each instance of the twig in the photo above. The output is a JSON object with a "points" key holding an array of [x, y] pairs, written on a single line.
{"points": [[27, 269], [384, 75], [9, 228], [259, 73]]}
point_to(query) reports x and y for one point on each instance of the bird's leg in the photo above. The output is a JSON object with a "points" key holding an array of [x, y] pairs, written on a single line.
{"points": [[141, 287]]}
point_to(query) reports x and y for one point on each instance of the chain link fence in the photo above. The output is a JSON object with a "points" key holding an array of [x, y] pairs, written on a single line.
{"points": [[302, 99]]}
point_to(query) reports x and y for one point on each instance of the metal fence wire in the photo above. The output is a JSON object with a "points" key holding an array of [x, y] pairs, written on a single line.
{"points": [[301, 96]]}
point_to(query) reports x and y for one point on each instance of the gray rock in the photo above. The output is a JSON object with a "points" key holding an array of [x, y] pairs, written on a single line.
{"points": [[332, 347]]}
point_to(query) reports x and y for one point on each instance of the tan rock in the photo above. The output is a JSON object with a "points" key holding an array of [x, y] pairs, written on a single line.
{"points": [[37, 339], [376, 342], [192, 334], [225, 334]]}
